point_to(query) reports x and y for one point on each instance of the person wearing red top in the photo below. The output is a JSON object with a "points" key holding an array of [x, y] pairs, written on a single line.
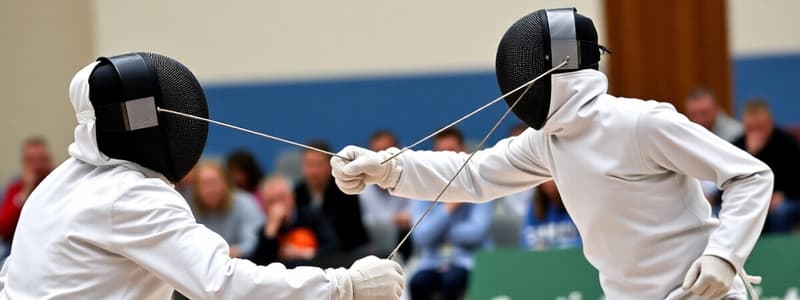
{"points": [[36, 164]]}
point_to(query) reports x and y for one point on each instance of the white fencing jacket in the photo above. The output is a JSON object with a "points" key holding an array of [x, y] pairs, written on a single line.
{"points": [[627, 171], [100, 228]]}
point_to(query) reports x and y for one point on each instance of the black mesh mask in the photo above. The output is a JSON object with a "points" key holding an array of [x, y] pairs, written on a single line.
{"points": [[536, 43], [125, 91]]}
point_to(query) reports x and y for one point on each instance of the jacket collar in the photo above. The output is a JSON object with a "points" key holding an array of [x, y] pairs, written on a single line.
{"points": [[572, 95]]}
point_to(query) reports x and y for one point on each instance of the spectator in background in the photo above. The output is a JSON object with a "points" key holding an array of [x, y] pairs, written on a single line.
{"points": [[701, 107], [780, 152], [516, 205], [547, 224], [318, 192], [380, 209], [290, 233], [233, 216], [244, 171], [36, 165], [448, 237]]}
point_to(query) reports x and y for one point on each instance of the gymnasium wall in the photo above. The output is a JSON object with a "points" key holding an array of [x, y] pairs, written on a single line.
{"points": [[765, 46], [42, 44], [288, 40], [333, 70]]}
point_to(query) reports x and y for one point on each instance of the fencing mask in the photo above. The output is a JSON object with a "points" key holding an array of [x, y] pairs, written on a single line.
{"points": [[536, 43], [125, 91]]}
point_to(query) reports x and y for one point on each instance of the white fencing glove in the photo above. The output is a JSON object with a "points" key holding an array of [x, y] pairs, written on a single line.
{"points": [[370, 278], [709, 277], [364, 167]]}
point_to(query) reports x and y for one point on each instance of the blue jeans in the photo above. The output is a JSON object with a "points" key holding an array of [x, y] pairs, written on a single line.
{"points": [[451, 283], [784, 216]]}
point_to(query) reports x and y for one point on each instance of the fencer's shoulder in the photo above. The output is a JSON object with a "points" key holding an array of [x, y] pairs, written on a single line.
{"points": [[146, 192], [638, 105], [527, 139], [655, 116], [530, 133]]}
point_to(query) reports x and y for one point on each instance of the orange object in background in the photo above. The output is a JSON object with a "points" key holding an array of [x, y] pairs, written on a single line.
{"points": [[298, 243]]}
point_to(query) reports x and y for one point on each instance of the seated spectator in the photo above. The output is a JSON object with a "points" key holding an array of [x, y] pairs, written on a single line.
{"points": [[547, 224], [36, 165], [780, 152], [244, 171], [232, 215], [378, 207], [448, 237], [701, 107], [290, 233], [318, 192]]}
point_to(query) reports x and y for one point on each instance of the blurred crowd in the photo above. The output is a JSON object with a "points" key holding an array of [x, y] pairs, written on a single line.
{"points": [[301, 218]]}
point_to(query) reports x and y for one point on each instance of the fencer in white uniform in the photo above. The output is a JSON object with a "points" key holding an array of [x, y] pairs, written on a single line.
{"points": [[628, 174], [105, 228]]}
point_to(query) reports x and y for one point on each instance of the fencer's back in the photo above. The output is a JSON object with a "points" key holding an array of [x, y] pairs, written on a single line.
{"points": [[62, 247], [627, 171]]}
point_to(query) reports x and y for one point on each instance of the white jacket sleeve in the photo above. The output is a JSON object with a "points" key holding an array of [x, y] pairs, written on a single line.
{"points": [[668, 140], [508, 167], [153, 227]]}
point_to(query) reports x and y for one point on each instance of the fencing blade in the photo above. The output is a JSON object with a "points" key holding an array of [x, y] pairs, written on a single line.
{"points": [[264, 135]]}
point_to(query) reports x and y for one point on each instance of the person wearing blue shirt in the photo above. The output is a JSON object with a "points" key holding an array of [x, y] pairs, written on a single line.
{"points": [[547, 224], [447, 240], [448, 237]]}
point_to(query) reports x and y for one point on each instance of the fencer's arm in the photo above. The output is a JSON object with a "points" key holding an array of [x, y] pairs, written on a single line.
{"points": [[669, 141], [152, 226], [508, 167]]}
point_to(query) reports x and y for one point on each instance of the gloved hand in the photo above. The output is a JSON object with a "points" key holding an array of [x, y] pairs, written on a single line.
{"points": [[709, 277], [375, 278], [364, 167]]}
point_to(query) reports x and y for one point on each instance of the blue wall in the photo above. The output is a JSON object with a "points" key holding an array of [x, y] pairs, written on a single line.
{"points": [[347, 111], [775, 78]]}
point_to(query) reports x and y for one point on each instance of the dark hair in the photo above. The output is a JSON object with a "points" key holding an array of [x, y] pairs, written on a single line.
{"points": [[519, 127], [245, 161], [699, 92], [383, 133], [34, 141], [319, 144], [542, 201], [756, 105], [451, 132]]}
